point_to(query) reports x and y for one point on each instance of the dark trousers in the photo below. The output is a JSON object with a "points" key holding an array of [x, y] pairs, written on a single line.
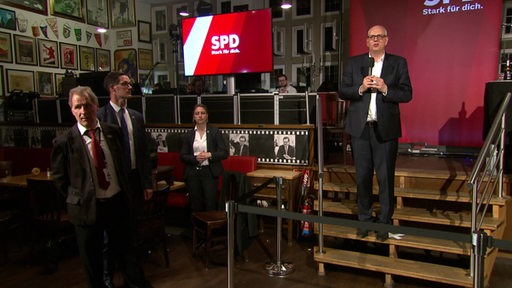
{"points": [[111, 218], [371, 153], [202, 187], [138, 199]]}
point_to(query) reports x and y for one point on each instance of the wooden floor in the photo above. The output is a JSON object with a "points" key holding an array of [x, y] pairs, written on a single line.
{"points": [[188, 272]]}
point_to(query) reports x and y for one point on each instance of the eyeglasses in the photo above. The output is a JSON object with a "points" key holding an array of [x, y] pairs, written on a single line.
{"points": [[125, 84], [377, 37]]}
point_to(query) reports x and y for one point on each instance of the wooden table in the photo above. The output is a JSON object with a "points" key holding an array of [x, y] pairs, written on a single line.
{"points": [[289, 191], [20, 181]]}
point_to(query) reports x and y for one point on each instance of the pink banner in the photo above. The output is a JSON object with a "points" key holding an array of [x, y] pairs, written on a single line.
{"points": [[452, 51]]}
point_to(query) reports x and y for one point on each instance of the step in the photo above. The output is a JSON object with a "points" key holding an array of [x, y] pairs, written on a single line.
{"points": [[460, 219], [408, 268], [411, 241], [341, 207], [428, 194]]}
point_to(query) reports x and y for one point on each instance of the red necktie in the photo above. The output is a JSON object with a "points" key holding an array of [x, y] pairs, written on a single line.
{"points": [[99, 159]]}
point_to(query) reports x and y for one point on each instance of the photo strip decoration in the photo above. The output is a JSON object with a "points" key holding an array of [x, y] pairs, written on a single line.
{"points": [[270, 146]]}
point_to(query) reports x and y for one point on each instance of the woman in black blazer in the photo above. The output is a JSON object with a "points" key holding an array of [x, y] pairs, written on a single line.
{"points": [[202, 152]]}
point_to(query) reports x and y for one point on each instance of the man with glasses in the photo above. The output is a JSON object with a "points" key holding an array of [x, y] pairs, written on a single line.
{"points": [[375, 88], [136, 142], [284, 86]]}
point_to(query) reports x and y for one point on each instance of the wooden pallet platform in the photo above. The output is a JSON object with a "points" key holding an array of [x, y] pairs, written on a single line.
{"points": [[395, 266]]}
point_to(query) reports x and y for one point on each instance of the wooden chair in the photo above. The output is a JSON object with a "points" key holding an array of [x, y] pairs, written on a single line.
{"points": [[210, 227], [151, 224], [49, 219]]}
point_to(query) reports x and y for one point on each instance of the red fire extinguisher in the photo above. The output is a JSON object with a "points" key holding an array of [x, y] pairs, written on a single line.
{"points": [[305, 226]]}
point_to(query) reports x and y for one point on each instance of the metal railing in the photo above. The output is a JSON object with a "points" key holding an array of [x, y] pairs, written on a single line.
{"points": [[485, 182]]}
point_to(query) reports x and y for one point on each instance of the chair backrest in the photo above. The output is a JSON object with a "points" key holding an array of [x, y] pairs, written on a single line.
{"points": [[5, 168], [155, 206], [242, 164], [46, 202]]}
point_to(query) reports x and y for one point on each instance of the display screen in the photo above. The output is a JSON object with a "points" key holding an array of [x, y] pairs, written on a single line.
{"points": [[228, 43]]}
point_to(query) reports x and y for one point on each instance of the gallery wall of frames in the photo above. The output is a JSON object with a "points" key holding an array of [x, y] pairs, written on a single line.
{"points": [[42, 39]]}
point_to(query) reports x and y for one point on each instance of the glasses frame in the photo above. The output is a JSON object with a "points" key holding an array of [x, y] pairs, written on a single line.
{"points": [[377, 37]]}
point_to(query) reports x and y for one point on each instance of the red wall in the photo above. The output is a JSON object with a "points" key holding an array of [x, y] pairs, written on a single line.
{"points": [[451, 55]]}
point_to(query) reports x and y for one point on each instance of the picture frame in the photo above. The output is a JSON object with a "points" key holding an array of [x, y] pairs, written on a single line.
{"points": [[145, 59], [7, 19], [58, 83], [48, 53], [68, 56], [87, 58], [5, 47], [20, 80], [144, 31], [125, 60], [45, 86], [70, 9], [122, 13], [160, 50], [103, 61], [97, 13], [36, 6], [2, 92], [159, 19], [124, 38], [25, 48]]}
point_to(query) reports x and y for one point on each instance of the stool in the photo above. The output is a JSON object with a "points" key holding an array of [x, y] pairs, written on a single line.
{"points": [[210, 227]]}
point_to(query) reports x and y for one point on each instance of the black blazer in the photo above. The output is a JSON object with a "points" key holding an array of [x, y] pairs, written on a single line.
{"points": [[215, 144], [396, 75], [72, 172], [141, 141]]}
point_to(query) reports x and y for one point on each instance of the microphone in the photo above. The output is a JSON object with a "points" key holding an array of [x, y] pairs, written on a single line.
{"points": [[371, 63]]}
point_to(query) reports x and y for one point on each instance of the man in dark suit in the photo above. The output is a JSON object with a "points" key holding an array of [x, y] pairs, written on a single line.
{"points": [[286, 151], [241, 148], [89, 169], [136, 141], [373, 121]]}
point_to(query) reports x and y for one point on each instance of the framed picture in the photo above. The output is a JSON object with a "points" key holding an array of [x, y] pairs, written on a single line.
{"points": [[7, 19], [45, 83], [145, 59], [25, 48], [161, 77], [37, 6], [97, 13], [87, 59], [124, 38], [48, 53], [159, 19], [103, 59], [144, 31], [5, 47], [20, 80], [68, 56], [1, 84], [122, 13], [159, 50], [125, 60], [71, 9], [58, 83]]}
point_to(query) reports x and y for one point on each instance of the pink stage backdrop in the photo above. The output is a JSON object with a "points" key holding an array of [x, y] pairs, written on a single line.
{"points": [[452, 51]]}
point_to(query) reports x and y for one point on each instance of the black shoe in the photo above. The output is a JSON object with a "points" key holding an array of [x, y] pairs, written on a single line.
{"points": [[362, 233], [382, 236]]}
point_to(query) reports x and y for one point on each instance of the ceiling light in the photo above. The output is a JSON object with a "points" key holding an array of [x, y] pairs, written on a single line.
{"points": [[101, 30], [286, 4], [183, 11]]}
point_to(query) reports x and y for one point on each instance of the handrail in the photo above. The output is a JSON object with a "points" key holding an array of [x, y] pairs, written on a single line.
{"points": [[486, 176]]}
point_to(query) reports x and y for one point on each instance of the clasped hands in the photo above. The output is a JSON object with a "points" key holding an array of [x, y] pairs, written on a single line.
{"points": [[375, 83], [202, 156]]}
